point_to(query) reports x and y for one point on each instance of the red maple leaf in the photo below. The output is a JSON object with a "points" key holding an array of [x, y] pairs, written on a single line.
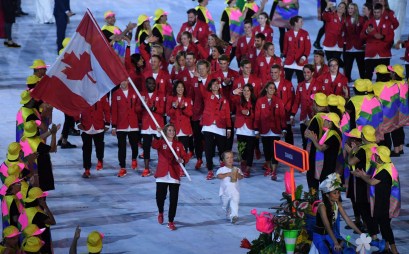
{"points": [[77, 67]]}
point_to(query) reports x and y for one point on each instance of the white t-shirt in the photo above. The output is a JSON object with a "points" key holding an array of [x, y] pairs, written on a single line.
{"points": [[225, 184]]}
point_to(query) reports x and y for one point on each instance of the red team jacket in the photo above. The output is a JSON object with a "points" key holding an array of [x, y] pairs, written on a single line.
{"points": [[226, 88], [98, 115], [262, 68], [303, 98], [353, 32], [163, 82], [216, 110], [180, 116], [296, 47], [200, 31], [158, 101], [381, 47], [333, 29], [125, 109], [324, 69], [285, 92], [268, 32], [243, 48], [333, 87], [269, 116], [253, 80], [166, 161], [240, 118]]}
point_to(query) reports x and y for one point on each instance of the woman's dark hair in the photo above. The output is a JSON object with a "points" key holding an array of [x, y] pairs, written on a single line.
{"points": [[253, 98], [175, 85], [266, 16], [264, 91], [135, 58], [294, 20], [211, 82], [328, 208]]}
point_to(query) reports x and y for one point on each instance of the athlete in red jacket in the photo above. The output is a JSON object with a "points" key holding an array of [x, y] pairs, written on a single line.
{"points": [[216, 122], [125, 108], [199, 29], [297, 48], [156, 103], [270, 124], [93, 122], [378, 34]]}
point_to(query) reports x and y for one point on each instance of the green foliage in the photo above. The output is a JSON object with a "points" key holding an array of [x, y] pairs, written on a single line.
{"points": [[241, 146]]}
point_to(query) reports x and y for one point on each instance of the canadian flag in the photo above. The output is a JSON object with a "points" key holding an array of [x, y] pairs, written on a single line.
{"points": [[86, 70]]}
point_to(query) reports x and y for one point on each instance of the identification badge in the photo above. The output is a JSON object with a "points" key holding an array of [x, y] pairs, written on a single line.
{"points": [[165, 146], [263, 105], [118, 98], [290, 38]]}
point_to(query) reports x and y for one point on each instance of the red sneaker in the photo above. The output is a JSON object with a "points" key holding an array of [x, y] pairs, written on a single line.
{"points": [[160, 218], [199, 164], [268, 172], [134, 164], [122, 172], [171, 226], [273, 176], [87, 174], [100, 165], [146, 172], [210, 175]]}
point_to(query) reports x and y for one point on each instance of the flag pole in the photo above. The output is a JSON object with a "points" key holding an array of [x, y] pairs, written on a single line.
{"points": [[157, 125]]}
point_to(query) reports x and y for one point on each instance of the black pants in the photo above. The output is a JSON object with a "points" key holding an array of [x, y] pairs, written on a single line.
{"points": [[248, 153], [133, 140], [398, 137], [87, 147], [289, 137], [268, 148], [370, 65], [161, 193], [282, 31], [7, 30], [335, 54], [365, 211], [384, 224], [211, 141], [321, 33], [146, 145], [303, 128], [185, 141], [197, 139], [349, 58], [61, 22], [68, 125], [289, 74], [407, 70]]}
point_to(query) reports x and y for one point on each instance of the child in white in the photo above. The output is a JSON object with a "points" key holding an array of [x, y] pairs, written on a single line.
{"points": [[229, 190]]}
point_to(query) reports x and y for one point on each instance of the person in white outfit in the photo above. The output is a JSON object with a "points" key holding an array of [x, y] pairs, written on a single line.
{"points": [[44, 11], [229, 186]]}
